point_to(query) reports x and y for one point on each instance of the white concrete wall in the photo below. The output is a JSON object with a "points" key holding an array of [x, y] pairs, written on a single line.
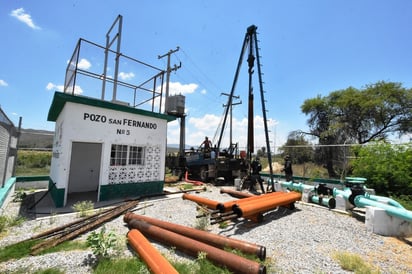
{"points": [[83, 123], [379, 222]]}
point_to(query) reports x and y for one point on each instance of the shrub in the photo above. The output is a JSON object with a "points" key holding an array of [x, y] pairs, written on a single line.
{"points": [[102, 243], [6, 221], [83, 208], [388, 168]]}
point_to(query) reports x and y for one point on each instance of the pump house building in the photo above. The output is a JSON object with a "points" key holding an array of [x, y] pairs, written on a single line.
{"points": [[111, 149]]}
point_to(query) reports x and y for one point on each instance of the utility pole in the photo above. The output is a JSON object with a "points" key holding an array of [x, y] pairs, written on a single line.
{"points": [[169, 70], [231, 105]]}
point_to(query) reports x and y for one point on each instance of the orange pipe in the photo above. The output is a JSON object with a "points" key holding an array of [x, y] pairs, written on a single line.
{"points": [[196, 183], [267, 204], [211, 204], [258, 199], [230, 204], [203, 236], [233, 262], [156, 263]]}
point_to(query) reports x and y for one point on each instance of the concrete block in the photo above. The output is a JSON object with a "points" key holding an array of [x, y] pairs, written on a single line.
{"points": [[237, 183], [278, 187], [306, 195], [379, 222], [342, 204]]}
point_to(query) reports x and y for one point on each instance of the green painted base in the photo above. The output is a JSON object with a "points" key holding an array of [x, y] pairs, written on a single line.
{"points": [[57, 194], [130, 190]]}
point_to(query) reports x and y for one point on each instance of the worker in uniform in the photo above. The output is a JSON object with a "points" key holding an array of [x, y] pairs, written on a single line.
{"points": [[256, 168], [288, 169]]}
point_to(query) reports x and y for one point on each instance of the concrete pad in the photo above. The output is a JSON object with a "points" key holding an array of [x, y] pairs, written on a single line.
{"points": [[379, 222]]}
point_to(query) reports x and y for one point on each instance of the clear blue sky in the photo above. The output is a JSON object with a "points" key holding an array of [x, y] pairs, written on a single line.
{"points": [[307, 48]]}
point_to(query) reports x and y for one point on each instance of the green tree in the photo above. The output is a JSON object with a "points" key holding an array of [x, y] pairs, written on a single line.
{"points": [[388, 168], [298, 148], [261, 152], [373, 112], [358, 116]]}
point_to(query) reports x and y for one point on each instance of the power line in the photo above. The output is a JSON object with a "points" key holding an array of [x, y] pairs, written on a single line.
{"points": [[200, 71]]}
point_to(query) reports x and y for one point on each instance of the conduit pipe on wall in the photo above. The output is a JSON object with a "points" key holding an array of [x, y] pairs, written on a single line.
{"points": [[192, 247], [211, 204], [203, 236], [267, 204], [156, 263], [401, 213]]}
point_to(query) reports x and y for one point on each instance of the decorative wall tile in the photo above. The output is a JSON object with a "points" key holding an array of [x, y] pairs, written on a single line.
{"points": [[149, 171]]}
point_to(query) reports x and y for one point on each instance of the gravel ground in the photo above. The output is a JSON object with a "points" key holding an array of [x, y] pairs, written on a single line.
{"points": [[302, 240]]}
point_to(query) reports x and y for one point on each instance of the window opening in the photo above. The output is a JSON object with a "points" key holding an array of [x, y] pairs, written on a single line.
{"points": [[122, 155], [136, 155]]}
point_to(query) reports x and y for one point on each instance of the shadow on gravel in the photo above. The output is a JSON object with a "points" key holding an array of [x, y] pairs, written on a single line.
{"points": [[245, 225], [358, 215], [24, 207], [40, 203], [407, 241]]}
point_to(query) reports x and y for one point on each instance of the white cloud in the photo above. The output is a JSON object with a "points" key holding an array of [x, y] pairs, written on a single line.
{"points": [[126, 75], [206, 123], [51, 86], [3, 83], [176, 88], [24, 17], [84, 64]]}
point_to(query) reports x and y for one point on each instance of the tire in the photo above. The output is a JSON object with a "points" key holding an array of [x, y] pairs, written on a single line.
{"points": [[204, 174]]}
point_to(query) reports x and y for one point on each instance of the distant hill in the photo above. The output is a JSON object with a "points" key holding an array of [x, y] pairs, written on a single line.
{"points": [[34, 138]]}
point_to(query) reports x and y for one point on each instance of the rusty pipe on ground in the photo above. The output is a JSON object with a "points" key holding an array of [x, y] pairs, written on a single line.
{"points": [[235, 193], [211, 204], [156, 263], [36, 249], [267, 204], [257, 218], [220, 219], [192, 247], [203, 236]]}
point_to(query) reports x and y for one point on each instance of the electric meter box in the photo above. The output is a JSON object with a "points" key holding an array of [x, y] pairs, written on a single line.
{"points": [[175, 105]]}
